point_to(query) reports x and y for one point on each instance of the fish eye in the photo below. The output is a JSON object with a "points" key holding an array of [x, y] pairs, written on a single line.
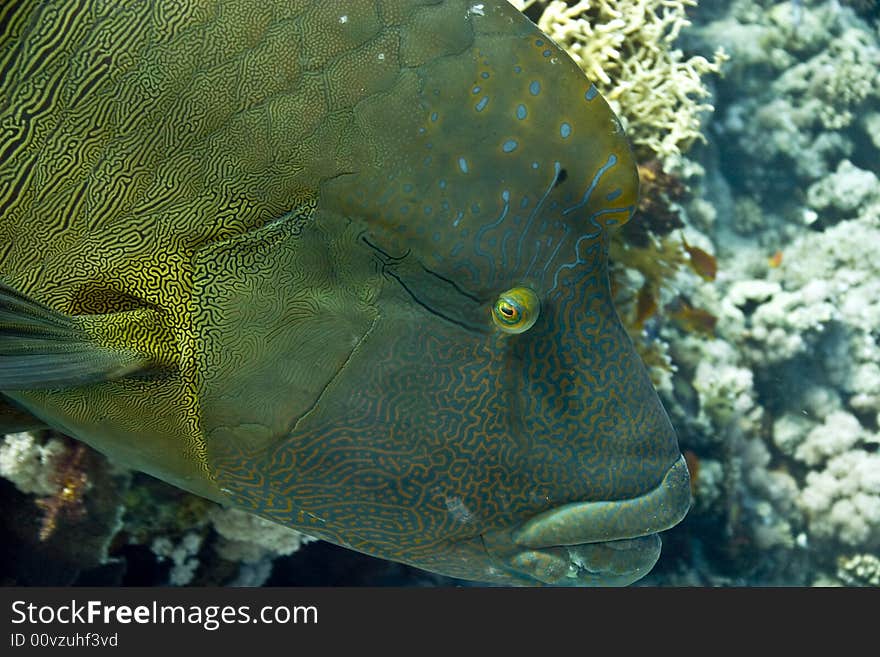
{"points": [[516, 310]]}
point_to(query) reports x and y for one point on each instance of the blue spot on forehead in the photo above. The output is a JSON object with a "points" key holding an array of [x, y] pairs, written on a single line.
{"points": [[539, 42], [422, 131], [442, 184], [482, 104], [613, 195], [517, 69], [484, 75], [475, 90], [546, 53], [535, 88], [592, 92], [408, 187], [534, 165], [434, 116], [521, 112], [463, 165], [509, 146], [565, 130]]}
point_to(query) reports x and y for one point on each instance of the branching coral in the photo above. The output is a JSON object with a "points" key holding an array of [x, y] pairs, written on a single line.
{"points": [[626, 48]]}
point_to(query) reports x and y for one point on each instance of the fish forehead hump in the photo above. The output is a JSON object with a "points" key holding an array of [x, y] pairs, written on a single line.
{"points": [[496, 162]]}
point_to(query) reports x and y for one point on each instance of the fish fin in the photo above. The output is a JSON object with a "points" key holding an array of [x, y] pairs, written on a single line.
{"points": [[13, 418], [43, 348]]}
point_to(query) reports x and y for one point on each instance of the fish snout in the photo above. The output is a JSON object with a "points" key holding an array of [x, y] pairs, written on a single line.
{"points": [[593, 543]]}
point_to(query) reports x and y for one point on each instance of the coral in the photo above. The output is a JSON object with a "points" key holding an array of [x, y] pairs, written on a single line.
{"points": [[859, 570], [627, 48], [60, 531], [182, 555], [797, 82], [838, 434], [842, 501], [249, 538], [866, 8], [30, 463], [845, 191], [71, 483]]}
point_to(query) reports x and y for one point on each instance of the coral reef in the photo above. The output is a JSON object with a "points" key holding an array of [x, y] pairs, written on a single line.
{"points": [[250, 539], [97, 523], [627, 48], [781, 409], [30, 463]]}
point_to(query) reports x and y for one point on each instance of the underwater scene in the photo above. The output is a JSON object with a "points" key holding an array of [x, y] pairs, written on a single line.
{"points": [[440, 293]]}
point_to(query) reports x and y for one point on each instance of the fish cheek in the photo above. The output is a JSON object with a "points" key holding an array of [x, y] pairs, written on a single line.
{"points": [[276, 316]]}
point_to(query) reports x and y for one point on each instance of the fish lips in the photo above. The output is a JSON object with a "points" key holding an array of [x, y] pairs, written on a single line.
{"points": [[593, 543]]}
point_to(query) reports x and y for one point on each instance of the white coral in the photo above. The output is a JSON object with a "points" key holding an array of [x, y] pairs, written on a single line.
{"points": [[29, 463], [249, 538], [183, 556], [839, 433], [842, 501]]}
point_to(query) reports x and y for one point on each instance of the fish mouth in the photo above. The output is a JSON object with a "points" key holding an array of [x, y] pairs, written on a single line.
{"points": [[597, 543]]}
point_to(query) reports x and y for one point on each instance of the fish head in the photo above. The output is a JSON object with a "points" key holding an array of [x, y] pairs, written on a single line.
{"points": [[492, 420]]}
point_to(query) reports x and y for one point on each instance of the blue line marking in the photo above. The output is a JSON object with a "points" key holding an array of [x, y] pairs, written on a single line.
{"points": [[505, 196], [509, 146], [482, 104], [612, 160], [556, 168], [535, 88], [521, 112], [463, 165], [592, 92]]}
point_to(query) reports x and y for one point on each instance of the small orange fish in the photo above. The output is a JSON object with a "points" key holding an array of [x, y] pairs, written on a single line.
{"points": [[775, 260], [646, 305], [704, 264], [691, 319]]}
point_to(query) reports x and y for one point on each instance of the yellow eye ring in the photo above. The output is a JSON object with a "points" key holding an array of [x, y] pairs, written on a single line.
{"points": [[516, 310]]}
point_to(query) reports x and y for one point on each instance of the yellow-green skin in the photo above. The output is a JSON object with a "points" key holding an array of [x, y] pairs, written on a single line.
{"points": [[302, 212]]}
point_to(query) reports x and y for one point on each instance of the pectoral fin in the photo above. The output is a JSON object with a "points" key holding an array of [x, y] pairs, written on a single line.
{"points": [[42, 348]]}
